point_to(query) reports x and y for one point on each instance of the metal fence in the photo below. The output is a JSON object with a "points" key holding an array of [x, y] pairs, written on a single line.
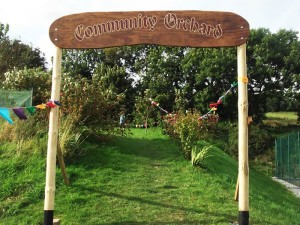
{"points": [[287, 150]]}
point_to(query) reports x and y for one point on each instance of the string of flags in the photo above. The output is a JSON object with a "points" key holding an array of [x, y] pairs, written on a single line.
{"points": [[20, 111], [153, 103], [214, 106]]}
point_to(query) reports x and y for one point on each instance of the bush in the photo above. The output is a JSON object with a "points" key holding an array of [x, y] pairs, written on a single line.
{"points": [[36, 79], [29, 135], [71, 136], [259, 141], [90, 102], [187, 129]]}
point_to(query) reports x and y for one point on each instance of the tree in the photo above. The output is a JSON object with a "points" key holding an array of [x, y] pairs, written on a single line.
{"points": [[211, 71], [160, 71], [15, 54], [273, 70], [81, 62], [35, 79], [119, 81]]}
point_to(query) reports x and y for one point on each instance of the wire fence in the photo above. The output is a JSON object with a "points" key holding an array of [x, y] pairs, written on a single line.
{"points": [[287, 158]]}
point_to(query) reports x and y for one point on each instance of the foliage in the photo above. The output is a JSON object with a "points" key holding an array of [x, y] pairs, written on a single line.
{"points": [[211, 72], [199, 155], [16, 55], [273, 71], [35, 127], [35, 79], [81, 62], [117, 79], [72, 136], [160, 69], [187, 129], [259, 141], [201, 75], [93, 102], [142, 110], [104, 66]]}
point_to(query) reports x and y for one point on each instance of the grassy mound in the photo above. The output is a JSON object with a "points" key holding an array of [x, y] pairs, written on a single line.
{"points": [[139, 179]]}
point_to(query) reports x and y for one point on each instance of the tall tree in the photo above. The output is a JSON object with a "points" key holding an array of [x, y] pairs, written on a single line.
{"points": [[211, 71], [15, 54], [161, 73], [81, 62], [273, 69]]}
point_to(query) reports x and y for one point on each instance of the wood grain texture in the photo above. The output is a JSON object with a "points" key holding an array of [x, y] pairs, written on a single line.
{"points": [[172, 28]]}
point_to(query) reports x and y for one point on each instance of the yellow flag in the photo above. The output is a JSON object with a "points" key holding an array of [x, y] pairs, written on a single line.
{"points": [[41, 106]]}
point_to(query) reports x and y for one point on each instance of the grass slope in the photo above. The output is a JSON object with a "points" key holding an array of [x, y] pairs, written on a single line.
{"points": [[138, 180], [281, 118]]}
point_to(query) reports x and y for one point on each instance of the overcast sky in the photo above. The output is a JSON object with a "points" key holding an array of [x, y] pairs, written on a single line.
{"points": [[29, 20]]}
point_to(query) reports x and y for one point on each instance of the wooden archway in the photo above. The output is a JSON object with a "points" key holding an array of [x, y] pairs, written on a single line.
{"points": [[171, 28]]}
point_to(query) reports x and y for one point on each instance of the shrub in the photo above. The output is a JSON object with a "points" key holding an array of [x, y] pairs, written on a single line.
{"points": [[29, 135], [36, 79], [187, 129], [90, 102], [71, 136], [259, 141]]}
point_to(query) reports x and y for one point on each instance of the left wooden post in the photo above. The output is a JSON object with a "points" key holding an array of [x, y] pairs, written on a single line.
{"points": [[52, 140]]}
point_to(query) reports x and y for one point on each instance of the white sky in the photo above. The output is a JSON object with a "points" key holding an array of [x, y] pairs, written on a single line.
{"points": [[29, 20]]}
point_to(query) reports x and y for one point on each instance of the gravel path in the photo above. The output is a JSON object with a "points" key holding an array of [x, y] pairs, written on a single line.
{"points": [[293, 188]]}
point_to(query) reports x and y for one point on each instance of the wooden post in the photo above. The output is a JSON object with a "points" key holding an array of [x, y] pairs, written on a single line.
{"points": [[243, 173], [52, 141], [236, 193], [62, 164]]}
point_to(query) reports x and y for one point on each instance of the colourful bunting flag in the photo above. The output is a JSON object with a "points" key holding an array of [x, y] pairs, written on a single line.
{"points": [[50, 104], [153, 103], [4, 112], [213, 106], [20, 113], [31, 110], [41, 106], [57, 103]]}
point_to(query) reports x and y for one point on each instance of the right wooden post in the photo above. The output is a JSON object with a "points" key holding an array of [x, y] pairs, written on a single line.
{"points": [[243, 172]]}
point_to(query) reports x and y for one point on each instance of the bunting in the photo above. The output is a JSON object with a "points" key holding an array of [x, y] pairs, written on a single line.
{"points": [[153, 103], [4, 112], [214, 106], [20, 111]]}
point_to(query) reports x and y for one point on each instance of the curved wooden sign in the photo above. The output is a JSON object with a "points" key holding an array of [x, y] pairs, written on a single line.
{"points": [[172, 28]]}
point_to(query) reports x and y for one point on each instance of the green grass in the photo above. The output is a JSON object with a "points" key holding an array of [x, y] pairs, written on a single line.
{"points": [[138, 179], [281, 118]]}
